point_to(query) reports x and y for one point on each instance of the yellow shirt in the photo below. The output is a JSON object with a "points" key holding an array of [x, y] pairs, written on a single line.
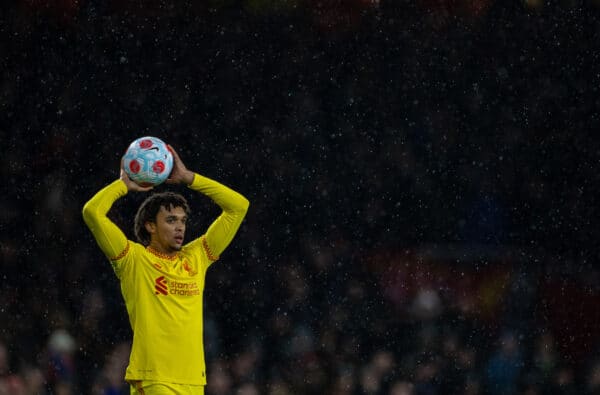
{"points": [[163, 295]]}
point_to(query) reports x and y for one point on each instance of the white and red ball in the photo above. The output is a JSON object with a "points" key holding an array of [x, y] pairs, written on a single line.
{"points": [[148, 161]]}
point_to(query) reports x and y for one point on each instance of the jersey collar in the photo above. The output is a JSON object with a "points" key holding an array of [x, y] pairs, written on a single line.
{"points": [[160, 254]]}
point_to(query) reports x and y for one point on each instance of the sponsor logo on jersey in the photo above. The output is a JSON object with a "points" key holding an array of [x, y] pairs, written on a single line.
{"points": [[160, 286], [163, 286]]}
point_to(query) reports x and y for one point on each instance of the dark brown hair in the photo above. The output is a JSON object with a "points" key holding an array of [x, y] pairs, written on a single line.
{"points": [[149, 210]]}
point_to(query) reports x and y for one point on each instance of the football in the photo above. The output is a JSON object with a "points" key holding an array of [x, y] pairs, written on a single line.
{"points": [[148, 161]]}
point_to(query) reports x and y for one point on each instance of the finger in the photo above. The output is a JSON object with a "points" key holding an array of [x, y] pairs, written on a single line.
{"points": [[137, 187], [171, 150], [124, 174], [175, 154]]}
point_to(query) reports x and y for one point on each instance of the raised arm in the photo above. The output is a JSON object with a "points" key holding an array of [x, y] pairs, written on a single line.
{"points": [[110, 238], [234, 206]]}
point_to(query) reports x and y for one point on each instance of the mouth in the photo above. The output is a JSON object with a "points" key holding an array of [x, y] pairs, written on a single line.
{"points": [[179, 239]]}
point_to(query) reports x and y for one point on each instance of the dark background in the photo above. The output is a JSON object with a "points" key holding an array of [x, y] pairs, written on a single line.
{"points": [[422, 177]]}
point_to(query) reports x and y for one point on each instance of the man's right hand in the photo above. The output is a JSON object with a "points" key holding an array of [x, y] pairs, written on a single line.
{"points": [[131, 185]]}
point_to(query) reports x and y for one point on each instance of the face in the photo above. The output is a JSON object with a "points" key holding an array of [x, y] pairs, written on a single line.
{"points": [[166, 234]]}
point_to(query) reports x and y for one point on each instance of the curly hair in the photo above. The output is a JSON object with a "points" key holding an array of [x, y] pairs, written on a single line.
{"points": [[149, 209]]}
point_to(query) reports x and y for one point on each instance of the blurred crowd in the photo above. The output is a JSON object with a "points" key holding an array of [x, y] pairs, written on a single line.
{"points": [[422, 177]]}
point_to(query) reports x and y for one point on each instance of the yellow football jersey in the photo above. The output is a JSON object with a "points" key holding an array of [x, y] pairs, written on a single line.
{"points": [[163, 294], [164, 301]]}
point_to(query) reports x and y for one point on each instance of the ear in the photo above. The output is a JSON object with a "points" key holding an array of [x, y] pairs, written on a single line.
{"points": [[150, 227]]}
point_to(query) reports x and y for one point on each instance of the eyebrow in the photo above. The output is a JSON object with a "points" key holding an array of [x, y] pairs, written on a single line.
{"points": [[173, 216]]}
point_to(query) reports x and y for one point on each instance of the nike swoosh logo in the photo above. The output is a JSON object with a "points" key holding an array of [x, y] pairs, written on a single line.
{"points": [[148, 149]]}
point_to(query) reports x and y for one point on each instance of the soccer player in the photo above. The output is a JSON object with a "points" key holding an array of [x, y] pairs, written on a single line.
{"points": [[162, 277]]}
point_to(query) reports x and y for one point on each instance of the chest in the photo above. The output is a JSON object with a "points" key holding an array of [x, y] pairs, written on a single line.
{"points": [[180, 279]]}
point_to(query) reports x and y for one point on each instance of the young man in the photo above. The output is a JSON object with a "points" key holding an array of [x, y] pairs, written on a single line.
{"points": [[162, 278]]}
